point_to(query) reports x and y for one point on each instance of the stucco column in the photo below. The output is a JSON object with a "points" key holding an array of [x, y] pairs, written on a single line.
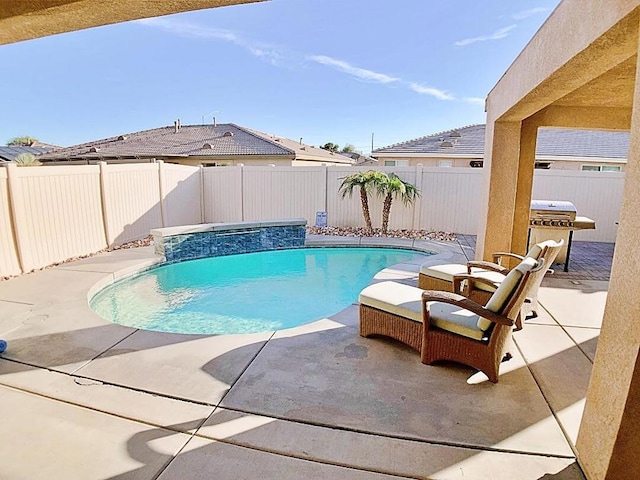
{"points": [[526, 169], [609, 439], [509, 160]]}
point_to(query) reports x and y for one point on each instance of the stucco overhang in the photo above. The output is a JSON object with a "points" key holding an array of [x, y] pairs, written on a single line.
{"points": [[583, 57], [24, 20]]}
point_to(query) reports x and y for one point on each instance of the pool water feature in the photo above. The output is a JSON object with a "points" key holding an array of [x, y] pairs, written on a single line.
{"points": [[246, 293]]}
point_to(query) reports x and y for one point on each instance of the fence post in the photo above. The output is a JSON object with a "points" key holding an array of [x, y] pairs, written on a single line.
{"points": [[103, 202], [163, 212], [326, 190], [13, 189], [203, 215], [417, 205], [242, 189]]}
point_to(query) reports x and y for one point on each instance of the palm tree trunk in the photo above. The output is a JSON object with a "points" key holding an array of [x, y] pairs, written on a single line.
{"points": [[386, 212], [364, 199]]}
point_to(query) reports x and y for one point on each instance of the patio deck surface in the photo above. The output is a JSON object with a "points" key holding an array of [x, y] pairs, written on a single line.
{"points": [[84, 398]]}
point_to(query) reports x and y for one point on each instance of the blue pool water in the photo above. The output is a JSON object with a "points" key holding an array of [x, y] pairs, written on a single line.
{"points": [[253, 292]]}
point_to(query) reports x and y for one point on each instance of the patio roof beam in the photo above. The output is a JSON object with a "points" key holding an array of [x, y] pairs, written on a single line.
{"points": [[590, 118]]}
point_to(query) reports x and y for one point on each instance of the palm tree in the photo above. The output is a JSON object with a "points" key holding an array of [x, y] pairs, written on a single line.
{"points": [[395, 187], [365, 181]]}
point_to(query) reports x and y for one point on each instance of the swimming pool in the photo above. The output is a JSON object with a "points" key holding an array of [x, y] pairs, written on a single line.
{"points": [[247, 293]]}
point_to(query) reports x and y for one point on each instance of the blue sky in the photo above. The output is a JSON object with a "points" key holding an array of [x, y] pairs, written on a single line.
{"points": [[324, 70]]}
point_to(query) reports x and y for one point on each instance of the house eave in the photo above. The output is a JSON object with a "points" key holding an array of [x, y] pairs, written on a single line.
{"points": [[473, 156]]}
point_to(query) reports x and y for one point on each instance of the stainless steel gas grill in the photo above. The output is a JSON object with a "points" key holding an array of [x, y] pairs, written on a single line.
{"points": [[556, 220]]}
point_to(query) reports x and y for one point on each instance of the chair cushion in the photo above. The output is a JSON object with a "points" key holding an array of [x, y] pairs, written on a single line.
{"points": [[455, 319], [406, 301], [395, 298], [443, 272], [495, 277], [504, 292], [447, 271], [536, 250]]}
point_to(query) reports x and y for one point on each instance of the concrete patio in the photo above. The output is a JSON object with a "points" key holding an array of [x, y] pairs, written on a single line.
{"points": [[84, 398]]}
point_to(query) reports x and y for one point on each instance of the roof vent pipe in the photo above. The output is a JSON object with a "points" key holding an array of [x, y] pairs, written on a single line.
{"points": [[300, 140], [214, 122], [176, 126]]}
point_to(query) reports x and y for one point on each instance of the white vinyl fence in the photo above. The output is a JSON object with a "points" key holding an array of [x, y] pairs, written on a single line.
{"points": [[449, 198], [596, 195], [51, 213]]}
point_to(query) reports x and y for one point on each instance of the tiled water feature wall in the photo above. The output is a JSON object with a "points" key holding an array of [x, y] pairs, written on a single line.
{"points": [[217, 239]]}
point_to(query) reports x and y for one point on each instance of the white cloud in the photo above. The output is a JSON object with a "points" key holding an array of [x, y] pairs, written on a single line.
{"points": [[370, 75], [528, 13], [497, 35], [274, 55], [187, 29], [349, 69], [434, 92], [474, 100]]}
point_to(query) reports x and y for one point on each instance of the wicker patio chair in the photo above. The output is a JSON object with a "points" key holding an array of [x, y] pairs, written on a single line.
{"points": [[495, 321], [488, 275], [448, 326]]}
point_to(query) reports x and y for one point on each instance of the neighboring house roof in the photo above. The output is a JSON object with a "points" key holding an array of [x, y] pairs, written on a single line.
{"points": [[188, 140], [360, 159], [306, 152], [470, 143], [9, 154], [221, 140], [40, 144], [552, 142], [582, 143]]}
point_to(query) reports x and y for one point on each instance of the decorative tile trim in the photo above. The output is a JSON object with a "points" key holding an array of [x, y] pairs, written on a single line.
{"points": [[217, 239]]}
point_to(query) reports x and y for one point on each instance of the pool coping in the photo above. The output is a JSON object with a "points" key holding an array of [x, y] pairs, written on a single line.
{"points": [[219, 227], [425, 251], [441, 252]]}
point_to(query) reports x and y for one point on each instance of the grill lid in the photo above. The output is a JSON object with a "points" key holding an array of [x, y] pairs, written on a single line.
{"points": [[553, 206]]}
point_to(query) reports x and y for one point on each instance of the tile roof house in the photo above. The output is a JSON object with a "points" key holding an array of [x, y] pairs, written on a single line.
{"points": [[556, 148], [209, 145], [307, 154]]}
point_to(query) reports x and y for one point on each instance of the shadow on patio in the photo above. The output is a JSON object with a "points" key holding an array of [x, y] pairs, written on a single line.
{"points": [[316, 401]]}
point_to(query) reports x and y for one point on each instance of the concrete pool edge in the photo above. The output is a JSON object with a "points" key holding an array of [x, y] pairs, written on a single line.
{"points": [[252, 292], [439, 253], [83, 278], [40, 311], [112, 386]]}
